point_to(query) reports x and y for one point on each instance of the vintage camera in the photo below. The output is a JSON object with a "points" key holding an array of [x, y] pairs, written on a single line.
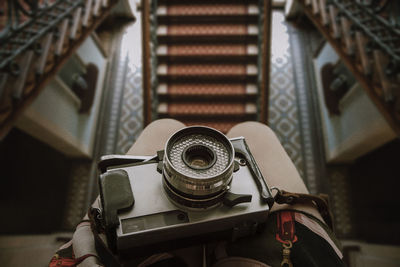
{"points": [[201, 187]]}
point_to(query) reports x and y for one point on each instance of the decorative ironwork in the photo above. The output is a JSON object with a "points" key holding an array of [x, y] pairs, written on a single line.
{"points": [[24, 23], [366, 35], [381, 33], [36, 39]]}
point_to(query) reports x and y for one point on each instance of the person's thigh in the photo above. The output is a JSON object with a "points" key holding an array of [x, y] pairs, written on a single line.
{"points": [[154, 137], [274, 163]]}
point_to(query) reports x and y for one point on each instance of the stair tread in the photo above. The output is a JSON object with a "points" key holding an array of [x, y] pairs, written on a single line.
{"points": [[208, 30], [207, 38], [195, 108], [207, 69], [203, 19], [207, 59], [207, 49], [207, 55], [216, 89], [169, 78], [208, 9]]}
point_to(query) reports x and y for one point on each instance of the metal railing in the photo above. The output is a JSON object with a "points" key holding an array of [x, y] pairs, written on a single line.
{"points": [[36, 38], [366, 36], [381, 32], [27, 23]]}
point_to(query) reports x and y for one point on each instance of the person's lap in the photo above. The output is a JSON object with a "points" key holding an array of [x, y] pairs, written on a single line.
{"points": [[276, 167], [273, 161]]}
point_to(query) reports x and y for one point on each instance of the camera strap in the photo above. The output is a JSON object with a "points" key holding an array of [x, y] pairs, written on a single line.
{"points": [[109, 259], [105, 254], [320, 201]]}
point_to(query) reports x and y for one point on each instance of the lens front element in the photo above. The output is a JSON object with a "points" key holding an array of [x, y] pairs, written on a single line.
{"points": [[199, 157]]}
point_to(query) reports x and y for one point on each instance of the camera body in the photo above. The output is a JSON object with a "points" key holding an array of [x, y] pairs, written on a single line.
{"points": [[214, 190]]}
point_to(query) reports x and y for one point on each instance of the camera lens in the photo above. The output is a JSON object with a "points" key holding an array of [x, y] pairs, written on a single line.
{"points": [[197, 166], [199, 157]]}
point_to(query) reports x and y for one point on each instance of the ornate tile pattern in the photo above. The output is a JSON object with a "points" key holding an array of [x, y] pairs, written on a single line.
{"points": [[77, 195], [207, 9], [340, 201], [283, 110], [207, 69], [131, 120], [304, 113], [206, 89], [115, 107], [210, 29]]}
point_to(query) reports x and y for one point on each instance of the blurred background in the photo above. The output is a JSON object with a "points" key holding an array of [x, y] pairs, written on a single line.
{"points": [[81, 79]]}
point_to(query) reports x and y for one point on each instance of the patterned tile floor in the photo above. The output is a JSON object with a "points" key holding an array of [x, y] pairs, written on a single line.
{"points": [[131, 120], [283, 110]]}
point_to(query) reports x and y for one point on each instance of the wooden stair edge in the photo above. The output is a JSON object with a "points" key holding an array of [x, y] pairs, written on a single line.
{"points": [[206, 39], [250, 108], [203, 19], [207, 97], [171, 59], [207, 78], [162, 30]]}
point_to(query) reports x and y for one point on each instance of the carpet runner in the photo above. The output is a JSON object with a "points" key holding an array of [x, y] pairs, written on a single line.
{"points": [[208, 58]]}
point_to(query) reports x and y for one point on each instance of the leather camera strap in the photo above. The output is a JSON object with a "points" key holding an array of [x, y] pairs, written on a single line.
{"points": [[105, 254], [282, 197], [320, 201]]}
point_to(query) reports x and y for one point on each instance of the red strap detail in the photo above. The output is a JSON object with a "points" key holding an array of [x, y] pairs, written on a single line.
{"points": [[58, 261], [286, 230]]}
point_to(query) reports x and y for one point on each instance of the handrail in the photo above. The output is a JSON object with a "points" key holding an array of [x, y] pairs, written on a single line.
{"points": [[374, 27], [42, 20], [34, 48], [368, 44]]}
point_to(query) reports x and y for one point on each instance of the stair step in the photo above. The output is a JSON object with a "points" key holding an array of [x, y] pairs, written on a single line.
{"points": [[207, 73], [207, 50], [207, 92], [169, 78], [223, 29], [207, 89], [207, 39], [206, 69], [234, 53], [209, 10], [208, 59], [194, 109], [203, 19]]}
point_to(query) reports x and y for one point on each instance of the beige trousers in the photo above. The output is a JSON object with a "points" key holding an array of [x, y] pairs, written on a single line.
{"points": [[273, 161]]}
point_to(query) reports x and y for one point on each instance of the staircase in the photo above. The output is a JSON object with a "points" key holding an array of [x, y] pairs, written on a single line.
{"points": [[209, 68]]}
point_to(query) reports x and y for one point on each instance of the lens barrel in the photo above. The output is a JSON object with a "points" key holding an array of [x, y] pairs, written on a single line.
{"points": [[198, 164]]}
